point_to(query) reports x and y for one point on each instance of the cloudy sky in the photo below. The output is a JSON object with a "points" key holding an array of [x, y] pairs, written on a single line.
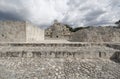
{"points": [[73, 12]]}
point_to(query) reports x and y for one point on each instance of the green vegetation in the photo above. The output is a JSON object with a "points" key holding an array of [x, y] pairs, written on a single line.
{"points": [[118, 23], [75, 29], [70, 28]]}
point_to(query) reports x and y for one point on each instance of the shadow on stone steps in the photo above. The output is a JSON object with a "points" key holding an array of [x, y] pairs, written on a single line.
{"points": [[116, 57]]}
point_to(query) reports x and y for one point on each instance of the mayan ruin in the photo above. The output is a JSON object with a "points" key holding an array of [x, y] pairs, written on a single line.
{"points": [[29, 52], [58, 31]]}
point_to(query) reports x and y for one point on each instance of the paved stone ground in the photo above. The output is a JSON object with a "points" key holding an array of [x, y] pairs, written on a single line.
{"points": [[34, 68]]}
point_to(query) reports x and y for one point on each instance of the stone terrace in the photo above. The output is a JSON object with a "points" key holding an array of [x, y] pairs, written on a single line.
{"points": [[59, 50]]}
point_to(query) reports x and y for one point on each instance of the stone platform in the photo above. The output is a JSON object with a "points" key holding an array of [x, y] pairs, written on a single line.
{"points": [[59, 60]]}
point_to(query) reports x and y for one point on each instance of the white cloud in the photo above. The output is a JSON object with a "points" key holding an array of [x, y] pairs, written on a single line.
{"points": [[73, 12]]}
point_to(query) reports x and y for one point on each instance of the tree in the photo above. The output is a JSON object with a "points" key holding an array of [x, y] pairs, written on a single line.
{"points": [[75, 29], [118, 23], [70, 28]]}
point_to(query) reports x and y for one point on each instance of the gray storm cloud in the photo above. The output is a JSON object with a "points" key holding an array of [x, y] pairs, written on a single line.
{"points": [[73, 12]]}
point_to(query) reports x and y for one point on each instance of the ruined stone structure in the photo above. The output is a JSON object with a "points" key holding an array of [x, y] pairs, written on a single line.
{"points": [[59, 61], [23, 56], [12, 31], [97, 34], [57, 31], [16, 31], [58, 50]]}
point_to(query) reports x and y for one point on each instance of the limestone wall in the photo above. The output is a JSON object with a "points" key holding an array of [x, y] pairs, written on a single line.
{"points": [[33, 33], [17, 31], [11, 31]]}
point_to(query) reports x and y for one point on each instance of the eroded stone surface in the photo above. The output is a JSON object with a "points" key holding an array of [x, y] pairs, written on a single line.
{"points": [[59, 61], [29, 68], [97, 34], [20, 31]]}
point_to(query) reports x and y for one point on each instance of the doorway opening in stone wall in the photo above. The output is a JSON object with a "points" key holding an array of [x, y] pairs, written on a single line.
{"points": [[56, 36]]}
